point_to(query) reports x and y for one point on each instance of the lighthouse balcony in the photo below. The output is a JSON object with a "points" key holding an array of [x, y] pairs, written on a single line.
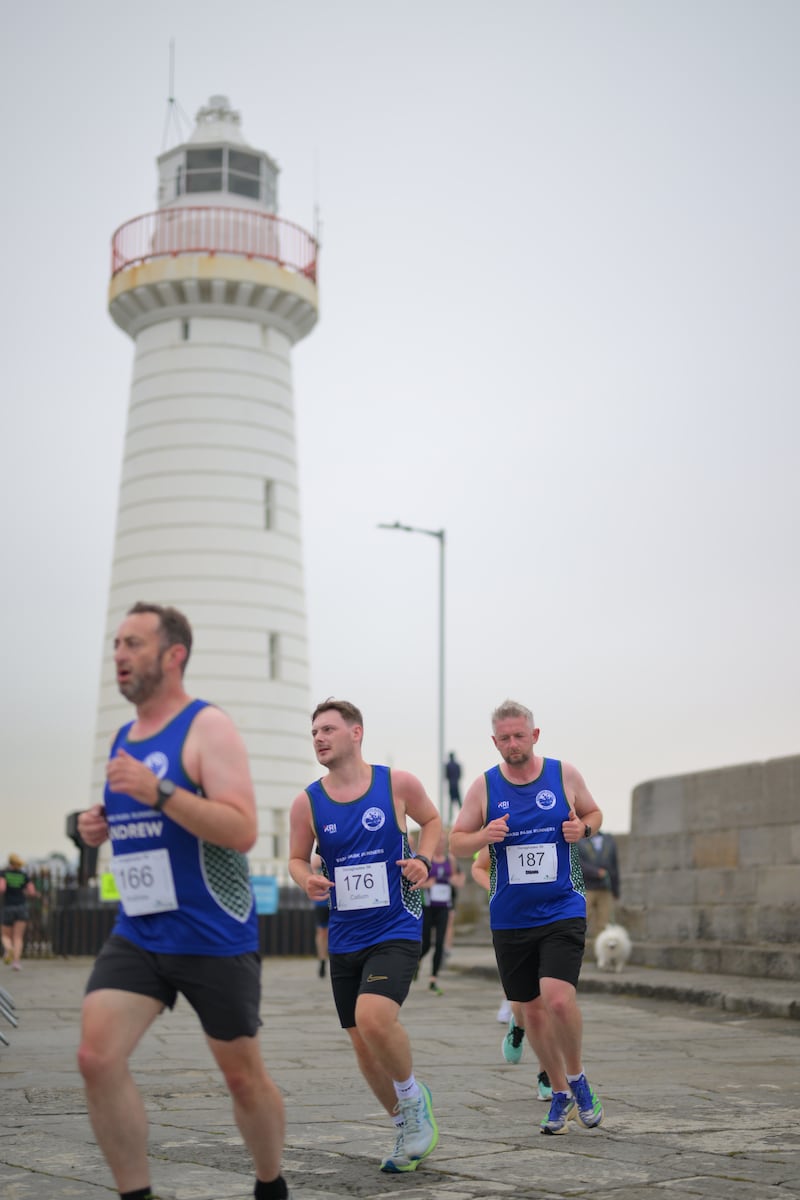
{"points": [[215, 261]]}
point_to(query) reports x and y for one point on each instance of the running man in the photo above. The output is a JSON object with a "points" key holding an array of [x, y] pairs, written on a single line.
{"points": [[357, 814], [531, 812]]}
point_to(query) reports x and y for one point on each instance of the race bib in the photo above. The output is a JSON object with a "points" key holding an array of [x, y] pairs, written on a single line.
{"points": [[441, 893], [144, 882], [532, 864], [363, 886]]}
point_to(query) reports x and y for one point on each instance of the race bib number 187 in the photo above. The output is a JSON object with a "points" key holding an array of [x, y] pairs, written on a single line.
{"points": [[532, 864]]}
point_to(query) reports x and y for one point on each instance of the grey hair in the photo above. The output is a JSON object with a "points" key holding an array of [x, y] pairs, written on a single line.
{"points": [[511, 708]]}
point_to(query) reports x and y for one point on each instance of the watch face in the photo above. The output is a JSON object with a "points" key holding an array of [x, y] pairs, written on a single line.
{"points": [[166, 787]]}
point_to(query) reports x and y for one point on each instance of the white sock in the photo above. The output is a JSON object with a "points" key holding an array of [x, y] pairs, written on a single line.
{"points": [[573, 1078], [407, 1090]]}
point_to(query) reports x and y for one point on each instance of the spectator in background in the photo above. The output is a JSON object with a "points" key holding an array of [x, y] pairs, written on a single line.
{"points": [[601, 878], [452, 773], [439, 888], [16, 888]]}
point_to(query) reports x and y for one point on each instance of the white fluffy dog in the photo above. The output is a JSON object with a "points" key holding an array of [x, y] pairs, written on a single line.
{"points": [[612, 948]]}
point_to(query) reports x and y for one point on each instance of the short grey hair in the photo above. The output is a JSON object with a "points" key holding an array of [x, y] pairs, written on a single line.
{"points": [[512, 708]]}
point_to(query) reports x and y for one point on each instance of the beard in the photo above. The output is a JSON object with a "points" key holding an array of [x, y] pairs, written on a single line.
{"points": [[516, 758], [139, 687]]}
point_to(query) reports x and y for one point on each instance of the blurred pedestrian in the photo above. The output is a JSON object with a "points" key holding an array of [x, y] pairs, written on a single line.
{"points": [[16, 889], [601, 877]]}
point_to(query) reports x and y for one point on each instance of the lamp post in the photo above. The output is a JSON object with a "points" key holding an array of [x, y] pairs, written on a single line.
{"points": [[440, 536]]}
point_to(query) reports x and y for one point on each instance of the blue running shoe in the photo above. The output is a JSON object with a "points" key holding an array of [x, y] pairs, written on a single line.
{"points": [[562, 1108], [590, 1110]]}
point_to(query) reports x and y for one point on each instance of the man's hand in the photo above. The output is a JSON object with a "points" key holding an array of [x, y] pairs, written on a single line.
{"points": [[318, 887], [92, 825], [497, 830], [573, 828], [414, 870], [127, 775]]}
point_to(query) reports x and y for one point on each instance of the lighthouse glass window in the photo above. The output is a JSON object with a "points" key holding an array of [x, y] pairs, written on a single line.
{"points": [[244, 174], [204, 169]]}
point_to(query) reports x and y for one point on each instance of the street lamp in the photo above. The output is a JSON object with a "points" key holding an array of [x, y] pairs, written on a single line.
{"points": [[439, 535]]}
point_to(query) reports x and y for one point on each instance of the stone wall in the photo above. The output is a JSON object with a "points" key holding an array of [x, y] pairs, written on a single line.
{"points": [[711, 871]]}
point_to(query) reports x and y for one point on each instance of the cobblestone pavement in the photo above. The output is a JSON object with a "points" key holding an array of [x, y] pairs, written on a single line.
{"points": [[700, 1101]]}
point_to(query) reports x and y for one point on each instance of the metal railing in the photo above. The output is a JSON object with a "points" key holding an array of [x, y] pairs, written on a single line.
{"points": [[214, 230], [67, 919]]}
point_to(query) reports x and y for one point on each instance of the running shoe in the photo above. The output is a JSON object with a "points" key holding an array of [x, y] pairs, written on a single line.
{"points": [[434, 987], [398, 1160], [504, 1013], [590, 1110], [543, 1089], [7, 957], [512, 1042], [420, 1131], [562, 1108]]}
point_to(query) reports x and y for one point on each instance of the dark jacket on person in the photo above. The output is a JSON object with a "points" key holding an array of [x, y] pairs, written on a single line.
{"points": [[594, 857]]}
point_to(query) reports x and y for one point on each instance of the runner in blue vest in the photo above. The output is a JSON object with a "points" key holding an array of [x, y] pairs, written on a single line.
{"points": [[531, 812], [356, 814], [180, 812]]}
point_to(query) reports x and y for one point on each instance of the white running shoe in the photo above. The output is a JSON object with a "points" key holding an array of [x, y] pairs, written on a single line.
{"points": [[420, 1131]]}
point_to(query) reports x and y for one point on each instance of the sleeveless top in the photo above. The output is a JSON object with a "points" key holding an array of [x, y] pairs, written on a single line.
{"points": [[535, 876], [360, 843], [440, 892], [180, 895]]}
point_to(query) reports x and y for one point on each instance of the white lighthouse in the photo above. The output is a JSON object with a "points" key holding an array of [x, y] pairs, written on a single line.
{"points": [[214, 289]]}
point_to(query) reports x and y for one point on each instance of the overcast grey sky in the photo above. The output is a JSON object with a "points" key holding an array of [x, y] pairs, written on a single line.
{"points": [[559, 319]]}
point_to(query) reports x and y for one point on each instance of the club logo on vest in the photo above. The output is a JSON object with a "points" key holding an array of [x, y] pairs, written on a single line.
{"points": [[545, 800], [373, 819], [158, 763]]}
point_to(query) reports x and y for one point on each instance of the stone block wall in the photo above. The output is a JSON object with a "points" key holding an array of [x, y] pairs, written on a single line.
{"points": [[711, 871]]}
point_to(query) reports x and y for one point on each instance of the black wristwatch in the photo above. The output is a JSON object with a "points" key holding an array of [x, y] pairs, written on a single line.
{"points": [[587, 831], [427, 861], [166, 788]]}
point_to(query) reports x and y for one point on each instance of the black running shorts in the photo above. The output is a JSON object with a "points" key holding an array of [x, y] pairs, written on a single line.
{"points": [[524, 956], [386, 969], [224, 992]]}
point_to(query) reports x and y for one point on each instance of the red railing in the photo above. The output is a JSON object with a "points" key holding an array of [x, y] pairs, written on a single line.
{"points": [[195, 230]]}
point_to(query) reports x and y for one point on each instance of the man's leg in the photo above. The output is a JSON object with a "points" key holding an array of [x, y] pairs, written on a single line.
{"points": [[382, 1048], [112, 1024], [542, 1037], [18, 939], [257, 1102], [566, 1023]]}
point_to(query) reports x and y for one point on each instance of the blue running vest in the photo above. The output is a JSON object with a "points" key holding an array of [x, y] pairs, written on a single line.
{"points": [[359, 844], [216, 914], [535, 876]]}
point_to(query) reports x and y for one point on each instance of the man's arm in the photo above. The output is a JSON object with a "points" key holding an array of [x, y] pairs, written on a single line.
{"points": [[470, 833], [215, 755], [480, 868], [301, 849], [583, 810], [417, 804]]}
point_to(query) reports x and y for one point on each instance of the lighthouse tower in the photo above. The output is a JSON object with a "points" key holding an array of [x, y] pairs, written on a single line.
{"points": [[214, 289]]}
